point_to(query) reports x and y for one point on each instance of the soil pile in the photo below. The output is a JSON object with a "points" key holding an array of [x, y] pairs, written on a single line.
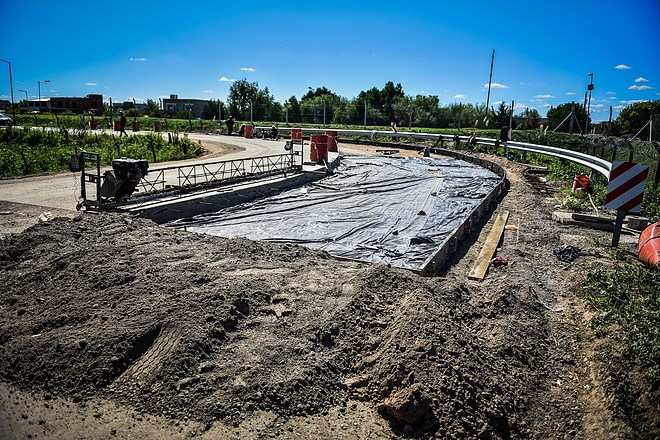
{"points": [[207, 328]]}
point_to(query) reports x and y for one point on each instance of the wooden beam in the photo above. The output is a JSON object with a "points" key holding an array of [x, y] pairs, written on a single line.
{"points": [[480, 267]]}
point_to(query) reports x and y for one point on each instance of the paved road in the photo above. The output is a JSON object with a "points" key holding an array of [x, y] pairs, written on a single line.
{"points": [[62, 190]]}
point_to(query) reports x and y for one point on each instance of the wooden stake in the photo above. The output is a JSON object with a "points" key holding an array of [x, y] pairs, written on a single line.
{"points": [[480, 267]]}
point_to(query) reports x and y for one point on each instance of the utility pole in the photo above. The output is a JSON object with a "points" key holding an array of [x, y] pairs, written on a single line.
{"points": [[26, 95], [365, 113], [11, 88], [570, 121], [250, 111], [590, 87], [651, 133], [609, 122], [324, 112], [490, 80]]}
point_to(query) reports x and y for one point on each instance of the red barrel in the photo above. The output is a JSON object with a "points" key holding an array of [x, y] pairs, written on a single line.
{"points": [[319, 148], [249, 131], [648, 249], [296, 134], [581, 181], [332, 140]]}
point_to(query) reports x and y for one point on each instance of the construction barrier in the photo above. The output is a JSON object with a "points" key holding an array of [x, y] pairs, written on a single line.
{"points": [[319, 148], [296, 134], [332, 140], [248, 132]]}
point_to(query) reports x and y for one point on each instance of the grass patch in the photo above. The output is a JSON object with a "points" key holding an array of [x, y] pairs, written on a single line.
{"points": [[26, 151], [625, 299]]}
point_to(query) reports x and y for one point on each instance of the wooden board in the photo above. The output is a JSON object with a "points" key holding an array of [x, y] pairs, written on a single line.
{"points": [[480, 267]]}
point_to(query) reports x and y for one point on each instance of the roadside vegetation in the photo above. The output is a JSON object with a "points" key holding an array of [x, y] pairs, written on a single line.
{"points": [[625, 301], [26, 151]]}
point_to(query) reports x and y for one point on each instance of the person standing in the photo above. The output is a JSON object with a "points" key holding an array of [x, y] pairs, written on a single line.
{"points": [[122, 126], [230, 124]]}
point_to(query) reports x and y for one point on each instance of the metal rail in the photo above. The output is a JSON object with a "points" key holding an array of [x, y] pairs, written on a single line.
{"points": [[209, 173], [595, 163]]}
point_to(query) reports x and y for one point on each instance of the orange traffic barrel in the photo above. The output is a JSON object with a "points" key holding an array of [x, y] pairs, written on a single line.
{"points": [[332, 140], [296, 134], [319, 148], [648, 248], [581, 181], [249, 131]]}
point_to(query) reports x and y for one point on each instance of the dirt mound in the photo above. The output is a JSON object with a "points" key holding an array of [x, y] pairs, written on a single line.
{"points": [[201, 327]]}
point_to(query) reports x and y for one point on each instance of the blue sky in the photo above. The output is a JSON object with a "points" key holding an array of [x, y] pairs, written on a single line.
{"points": [[149, 49]]}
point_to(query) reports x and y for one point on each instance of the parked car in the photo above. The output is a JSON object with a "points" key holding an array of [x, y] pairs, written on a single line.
{"points": [[5, 121]]}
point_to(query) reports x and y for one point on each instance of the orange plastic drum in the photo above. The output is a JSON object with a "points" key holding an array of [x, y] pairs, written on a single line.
{"points": [[332, 140], [648, 249], [249, 131], [319, 148]]}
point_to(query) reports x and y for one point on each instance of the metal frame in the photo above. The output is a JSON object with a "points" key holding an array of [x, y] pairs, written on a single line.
{"points": [[596, 163], [189, 177]]}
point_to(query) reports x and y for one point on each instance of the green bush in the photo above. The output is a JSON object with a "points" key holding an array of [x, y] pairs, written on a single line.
{"points": [[27, 151]]}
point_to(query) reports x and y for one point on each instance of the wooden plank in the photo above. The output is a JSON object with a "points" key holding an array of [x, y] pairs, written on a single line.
{"points": [[480, 267]]}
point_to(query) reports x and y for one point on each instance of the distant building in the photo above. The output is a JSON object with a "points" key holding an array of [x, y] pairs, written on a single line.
{"points": [[4, 104], [75, 104], [128, 105], [195, 107]]}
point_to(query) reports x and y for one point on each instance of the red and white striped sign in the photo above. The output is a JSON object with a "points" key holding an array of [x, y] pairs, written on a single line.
{"points": [[626, 187]]}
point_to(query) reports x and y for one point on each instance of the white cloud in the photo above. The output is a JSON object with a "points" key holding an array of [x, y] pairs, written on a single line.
{"points": [[546, 96], [546, 105], [248, 69], [138, 59], [209, 91], [496, 86], [459, 96], [641, 79], [642, 87], [225, 79], [90, 84], [612, 97], [622, 67], [570, 93], [632, 101], [611, 93]]}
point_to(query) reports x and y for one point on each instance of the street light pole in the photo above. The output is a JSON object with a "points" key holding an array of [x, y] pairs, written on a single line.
{"points": [[27, 100], [39, 87], [11, 88]]}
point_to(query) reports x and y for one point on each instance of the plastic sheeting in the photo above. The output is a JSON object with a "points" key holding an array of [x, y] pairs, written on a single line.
{"points": [[377, 209]]}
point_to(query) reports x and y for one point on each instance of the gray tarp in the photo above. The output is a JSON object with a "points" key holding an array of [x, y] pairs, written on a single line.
{"points": [[377, 209]]}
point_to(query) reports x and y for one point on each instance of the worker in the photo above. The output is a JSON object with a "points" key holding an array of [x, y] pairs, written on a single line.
{"points": [[230, 124], [241, 130], [122, 125], [504, 134], [274, 132]]}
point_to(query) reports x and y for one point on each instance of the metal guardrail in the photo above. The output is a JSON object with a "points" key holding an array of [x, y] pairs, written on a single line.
{"points": [[595, 163]]}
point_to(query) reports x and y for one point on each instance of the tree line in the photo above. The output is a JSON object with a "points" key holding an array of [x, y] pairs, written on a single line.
{"points": [[390, 104]]}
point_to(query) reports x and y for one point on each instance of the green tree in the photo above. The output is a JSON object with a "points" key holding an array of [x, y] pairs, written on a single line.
{"points": [[634, 116], [530, 119], [557, 114]]}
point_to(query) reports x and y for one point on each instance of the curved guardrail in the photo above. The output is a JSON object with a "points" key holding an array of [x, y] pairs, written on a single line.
{"points": [[595, 163]]}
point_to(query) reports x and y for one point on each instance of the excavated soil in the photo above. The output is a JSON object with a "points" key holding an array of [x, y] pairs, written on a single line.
{"points": [[188, 328]]}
